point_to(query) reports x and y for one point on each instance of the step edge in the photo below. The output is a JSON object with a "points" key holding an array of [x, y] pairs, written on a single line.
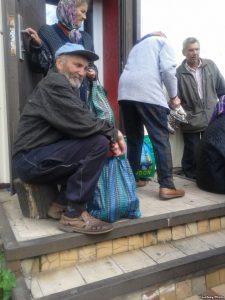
{"points": [[15, 250], [140, 279]]}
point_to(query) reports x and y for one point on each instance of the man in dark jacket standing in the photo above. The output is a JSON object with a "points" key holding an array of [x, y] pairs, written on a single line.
{"points": [[200, 84], [59, 141]]}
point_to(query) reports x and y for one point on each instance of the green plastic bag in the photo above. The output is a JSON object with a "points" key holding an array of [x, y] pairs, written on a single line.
{"points": [[98, 103], [147, 169]]}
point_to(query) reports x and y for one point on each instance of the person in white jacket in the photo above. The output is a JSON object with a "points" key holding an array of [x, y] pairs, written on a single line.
{"points": [[150, 66]]}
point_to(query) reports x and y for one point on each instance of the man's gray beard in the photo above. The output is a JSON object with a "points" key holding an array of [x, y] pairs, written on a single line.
{"points": [[75, 82]]}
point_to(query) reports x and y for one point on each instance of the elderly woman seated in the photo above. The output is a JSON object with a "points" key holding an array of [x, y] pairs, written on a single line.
{"points": [[211, 153]]}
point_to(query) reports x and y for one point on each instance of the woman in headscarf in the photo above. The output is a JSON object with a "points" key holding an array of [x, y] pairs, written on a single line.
{"points": [[43, 45], [211, 153]]}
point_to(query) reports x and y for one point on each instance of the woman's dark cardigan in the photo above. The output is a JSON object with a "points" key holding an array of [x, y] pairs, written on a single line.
{"points": [[42, 58]]}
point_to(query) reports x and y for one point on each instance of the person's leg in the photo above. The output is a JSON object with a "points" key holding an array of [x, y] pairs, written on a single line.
{"points": [[134, 131], [76, 164], [154, 118], [191, 143]]}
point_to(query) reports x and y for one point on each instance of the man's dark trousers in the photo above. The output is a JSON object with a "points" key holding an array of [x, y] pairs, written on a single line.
{"points": [[154, 117], [76, 164], [191, 144]]}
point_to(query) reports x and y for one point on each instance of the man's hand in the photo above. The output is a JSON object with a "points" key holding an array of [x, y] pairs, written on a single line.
{"points": [[119, 147], [174, 102], [34, 36], [91, 74]]}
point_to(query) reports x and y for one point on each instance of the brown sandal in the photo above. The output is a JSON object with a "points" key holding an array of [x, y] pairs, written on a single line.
{"points": [[84, 224]]}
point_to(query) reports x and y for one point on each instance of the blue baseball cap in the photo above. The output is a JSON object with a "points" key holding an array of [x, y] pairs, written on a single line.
{"points": [[76, 49]]}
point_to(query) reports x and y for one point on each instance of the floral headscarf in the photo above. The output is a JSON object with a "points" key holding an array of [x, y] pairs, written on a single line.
{"points": [[66, 15], [220, 108]]}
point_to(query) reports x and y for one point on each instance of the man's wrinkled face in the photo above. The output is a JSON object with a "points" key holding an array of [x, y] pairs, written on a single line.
{"points": [[73, 67], [192, 52]]}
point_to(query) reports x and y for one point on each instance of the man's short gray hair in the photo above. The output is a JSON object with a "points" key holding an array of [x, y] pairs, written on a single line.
{"points": [[189, 40]]}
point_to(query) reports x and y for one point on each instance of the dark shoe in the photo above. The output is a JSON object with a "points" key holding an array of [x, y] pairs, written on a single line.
{"points": [[140, 183], [84, 224], [167, 194], [56, 210]]}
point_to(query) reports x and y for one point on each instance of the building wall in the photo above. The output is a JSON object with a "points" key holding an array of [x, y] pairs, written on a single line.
{"points": [[98, 36], [4, 149], [111, 52]]}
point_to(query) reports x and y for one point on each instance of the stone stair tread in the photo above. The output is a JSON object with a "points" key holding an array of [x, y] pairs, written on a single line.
{"points": [[151, 258], [28, 229], [217, 292], [25, 238]]}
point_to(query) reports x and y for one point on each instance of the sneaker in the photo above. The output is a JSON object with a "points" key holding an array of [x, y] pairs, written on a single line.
{"points": [[56, 210], [167, 194], [85, 223]]}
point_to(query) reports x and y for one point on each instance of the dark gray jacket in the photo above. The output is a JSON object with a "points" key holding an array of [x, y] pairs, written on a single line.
{"points": [[54, 112], [199, 111]]}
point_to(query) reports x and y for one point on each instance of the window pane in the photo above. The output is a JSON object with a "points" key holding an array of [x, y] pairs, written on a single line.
{"points": [[51, 14]]}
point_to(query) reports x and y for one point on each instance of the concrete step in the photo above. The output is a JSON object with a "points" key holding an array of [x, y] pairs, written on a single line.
{"points": [[215, 292], [163, 268], [39, 245]]}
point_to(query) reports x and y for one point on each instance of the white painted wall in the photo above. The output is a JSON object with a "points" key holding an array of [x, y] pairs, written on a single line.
{"points": [[4, 147], [98, 35]]}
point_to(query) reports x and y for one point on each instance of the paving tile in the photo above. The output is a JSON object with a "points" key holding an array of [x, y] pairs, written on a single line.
{"points": [[99, 270], [151, 294], [150, 238], [209, 294], [183, 289], [222, 222], [222, 275], [191, 229], [191, 245], [50, 261], [133, 296], [163, 252], [87, 253], [35, 288], [58, 281], [135, 260], [135, 242], [28, 229], [197, 200], [120, 245], [214, 224], [215, 239], [193, 298], [178, 232], [198, 285], [220, 290], [68, 257], [164, 234], [212, 279], [104, 249], [203, 226], [167, 292]]}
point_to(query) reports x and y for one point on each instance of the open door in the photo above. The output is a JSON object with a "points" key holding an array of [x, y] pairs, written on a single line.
{"points": [[20, 81]]}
